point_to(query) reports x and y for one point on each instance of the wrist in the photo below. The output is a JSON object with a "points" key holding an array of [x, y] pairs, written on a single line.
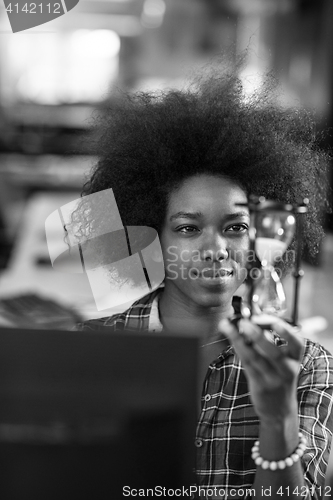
{"points": [[279, 436], [281, 464], [281, 420]]}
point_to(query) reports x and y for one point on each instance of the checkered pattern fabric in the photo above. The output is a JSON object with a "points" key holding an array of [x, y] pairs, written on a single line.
{"points": [[228, 425], [135, 318]]}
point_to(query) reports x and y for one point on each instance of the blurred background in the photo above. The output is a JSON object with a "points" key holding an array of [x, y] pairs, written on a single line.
{"points": [[53, 77]]}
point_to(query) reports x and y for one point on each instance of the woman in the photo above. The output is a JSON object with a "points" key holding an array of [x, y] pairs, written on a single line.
{"points": [[182, 163]]}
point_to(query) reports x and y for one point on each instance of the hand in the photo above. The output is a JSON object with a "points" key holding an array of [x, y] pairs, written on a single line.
{"points": [[271, 371]]}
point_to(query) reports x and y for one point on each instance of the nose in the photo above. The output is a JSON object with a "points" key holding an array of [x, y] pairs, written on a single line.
{"points": [[216, 250]]}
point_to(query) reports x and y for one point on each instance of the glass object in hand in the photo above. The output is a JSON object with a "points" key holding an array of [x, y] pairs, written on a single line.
{"points": [[274, 233]]}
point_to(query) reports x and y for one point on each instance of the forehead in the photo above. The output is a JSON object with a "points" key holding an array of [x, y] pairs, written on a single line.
{"points": [[207, 193]]}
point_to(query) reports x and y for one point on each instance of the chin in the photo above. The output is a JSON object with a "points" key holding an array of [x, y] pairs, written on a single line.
{"points": [[209, 299]]}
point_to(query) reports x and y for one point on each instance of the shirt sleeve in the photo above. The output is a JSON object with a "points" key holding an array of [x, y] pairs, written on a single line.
{"points": [[315, 398], [113, 323]]}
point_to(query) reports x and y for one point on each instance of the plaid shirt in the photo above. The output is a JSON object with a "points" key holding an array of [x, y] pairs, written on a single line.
{"points": [[228, 424]]}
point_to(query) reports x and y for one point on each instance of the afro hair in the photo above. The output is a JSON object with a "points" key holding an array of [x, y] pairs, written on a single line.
{"points": [[148, 143]]}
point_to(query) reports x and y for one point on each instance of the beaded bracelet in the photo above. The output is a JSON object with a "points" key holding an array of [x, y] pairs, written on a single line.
{"points": [[280, 464]]}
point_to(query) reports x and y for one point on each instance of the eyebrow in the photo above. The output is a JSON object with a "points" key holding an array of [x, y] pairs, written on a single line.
{"points": [[237, 215], [186, 215], [198, 215]]}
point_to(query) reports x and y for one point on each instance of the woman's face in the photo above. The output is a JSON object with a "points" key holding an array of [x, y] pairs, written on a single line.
{"points": [[205, 240]]}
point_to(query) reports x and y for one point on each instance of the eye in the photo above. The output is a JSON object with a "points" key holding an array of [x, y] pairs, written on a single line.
{"points": [[238, 228], [187, 229]]}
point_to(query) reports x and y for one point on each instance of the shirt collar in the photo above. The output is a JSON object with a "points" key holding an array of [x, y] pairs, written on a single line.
{"points": [[155, 324]]}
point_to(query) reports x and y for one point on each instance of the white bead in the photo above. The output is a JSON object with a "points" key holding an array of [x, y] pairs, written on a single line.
{"points": [[281, 464]]}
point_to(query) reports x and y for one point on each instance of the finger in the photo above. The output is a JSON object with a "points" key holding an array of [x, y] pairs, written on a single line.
{"points": [[261, 340], [247, 333], [255, 363], [279, 365], [274, 362], [263, 361], [265, 321], [295, 344]]}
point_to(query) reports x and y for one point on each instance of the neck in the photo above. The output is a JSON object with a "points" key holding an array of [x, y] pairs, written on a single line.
{"points": [[178, 312]]}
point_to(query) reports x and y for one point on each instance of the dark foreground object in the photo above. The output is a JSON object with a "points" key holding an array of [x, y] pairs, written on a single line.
{"points": [[83, 414]]}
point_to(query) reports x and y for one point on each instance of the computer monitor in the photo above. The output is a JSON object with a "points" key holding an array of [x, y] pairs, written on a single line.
{"points": [[95, 415]]}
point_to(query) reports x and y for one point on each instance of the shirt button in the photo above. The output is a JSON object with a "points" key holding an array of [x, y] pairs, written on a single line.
{"points": [[198, 443], [207, 397]]}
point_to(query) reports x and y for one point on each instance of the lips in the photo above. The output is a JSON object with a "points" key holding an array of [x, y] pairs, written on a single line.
{"points": [[215, 273]]}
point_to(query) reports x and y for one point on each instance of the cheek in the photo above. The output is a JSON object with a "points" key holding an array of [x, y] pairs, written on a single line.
{"points": [[171, 254], [240, 255], [176, 257]]}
